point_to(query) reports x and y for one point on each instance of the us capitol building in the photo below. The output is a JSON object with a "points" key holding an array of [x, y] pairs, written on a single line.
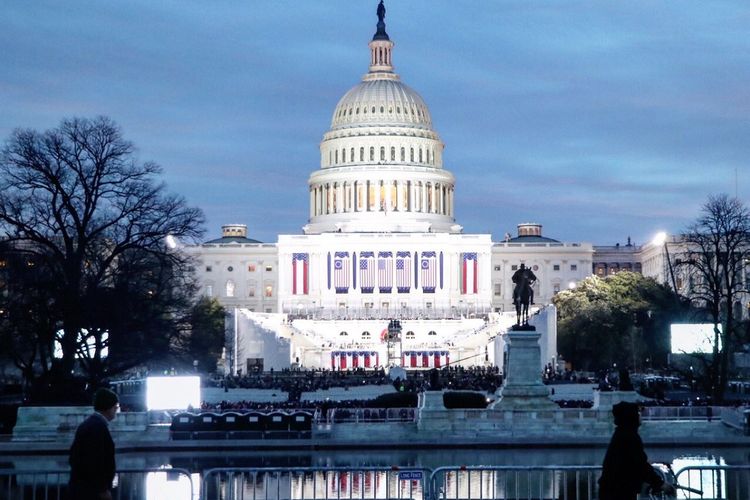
{"points": [[381, 242]]}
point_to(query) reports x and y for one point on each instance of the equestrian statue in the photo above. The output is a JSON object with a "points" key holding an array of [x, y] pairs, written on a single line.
{"points": [[523, 294]]}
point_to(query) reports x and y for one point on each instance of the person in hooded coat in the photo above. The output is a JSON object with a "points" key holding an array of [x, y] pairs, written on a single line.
{"points": [[626, 465]]}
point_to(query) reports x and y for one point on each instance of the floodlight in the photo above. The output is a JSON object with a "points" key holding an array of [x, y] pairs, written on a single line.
{"points": [[659, 238]]}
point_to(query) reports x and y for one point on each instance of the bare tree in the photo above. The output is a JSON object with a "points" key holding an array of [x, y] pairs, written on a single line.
{"points": [[715, 257], [80, 204]]}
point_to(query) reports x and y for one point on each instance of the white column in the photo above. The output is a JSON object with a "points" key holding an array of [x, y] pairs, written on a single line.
{"points": [[312, 202]]}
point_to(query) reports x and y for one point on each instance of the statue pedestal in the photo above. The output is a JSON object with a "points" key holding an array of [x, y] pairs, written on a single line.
{"points": [[523, 389]]}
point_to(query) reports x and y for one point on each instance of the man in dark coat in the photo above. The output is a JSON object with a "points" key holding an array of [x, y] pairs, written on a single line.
{"points": [[626, 465], [92, 455]]}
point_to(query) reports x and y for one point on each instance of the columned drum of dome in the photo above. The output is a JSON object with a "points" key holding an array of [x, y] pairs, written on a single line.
{"points": [[381, 162]]}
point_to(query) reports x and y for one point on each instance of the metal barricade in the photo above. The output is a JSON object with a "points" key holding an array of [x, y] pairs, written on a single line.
{"points": [[515, 482], [316, 483], [719, 482], [130, 484]]}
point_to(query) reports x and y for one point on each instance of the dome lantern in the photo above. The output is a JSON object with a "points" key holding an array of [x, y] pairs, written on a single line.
{"points": [[381, 46]]}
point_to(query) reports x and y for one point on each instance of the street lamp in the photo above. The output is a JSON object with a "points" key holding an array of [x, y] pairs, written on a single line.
{"points": [[661, 240]]}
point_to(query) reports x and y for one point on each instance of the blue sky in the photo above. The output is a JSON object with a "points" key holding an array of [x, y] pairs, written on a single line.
{"points": [[598, 119]]}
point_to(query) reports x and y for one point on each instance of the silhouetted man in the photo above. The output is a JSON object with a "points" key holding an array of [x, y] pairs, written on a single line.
{"points": [[626, 465], [92, 455]]}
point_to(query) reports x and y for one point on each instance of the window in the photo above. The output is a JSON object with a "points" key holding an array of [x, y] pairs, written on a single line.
{"points": [[514, 267], [208, 269], [251, 268], [351, 155], [573, 267], [268, 310], [343, 334], [556, 288], [432, 333], [393, 154], [420, 155], [403, 154], [556, 267], [343, 155], [251, 291], [372, 154], [411, 154], [336, 156], [230, 288], [428, 305], [361, 154], [269, 269], [268, 292], [498, 289], [365, 335], [382, 153], [498, 268], [209, 291], [410, 334]]}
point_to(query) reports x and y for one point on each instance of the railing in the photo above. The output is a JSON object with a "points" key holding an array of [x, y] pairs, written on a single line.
{"points": [[316, 483], [515, 482], [681, 412], [372, 483], [360, 415], [716, 482], [131, 483]]}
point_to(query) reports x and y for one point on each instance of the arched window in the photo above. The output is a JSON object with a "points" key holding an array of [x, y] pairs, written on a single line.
{"points": [[393, 153], [411, 154], [373, 109], [382, 153], [230, 288], [343, 334], [410, 334], [351, 154], [372, 153], [365, 335], [361, 154], [336, 153], [343, 155], [420, 155], [403, 154], [432, 333]]}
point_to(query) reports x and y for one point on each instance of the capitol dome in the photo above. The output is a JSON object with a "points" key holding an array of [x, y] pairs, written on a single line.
{"points": [[381, 162], [381, 102]]}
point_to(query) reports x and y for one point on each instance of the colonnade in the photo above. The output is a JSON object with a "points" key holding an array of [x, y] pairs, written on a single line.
{"points": [[382, 196]]}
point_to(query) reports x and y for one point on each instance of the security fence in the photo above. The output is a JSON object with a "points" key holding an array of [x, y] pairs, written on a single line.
{"points": [[312, 483], [130, 484], [374, 483]]}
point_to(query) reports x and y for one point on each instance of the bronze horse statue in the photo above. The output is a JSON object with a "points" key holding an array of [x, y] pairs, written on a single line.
{"points": [[523, 294]]}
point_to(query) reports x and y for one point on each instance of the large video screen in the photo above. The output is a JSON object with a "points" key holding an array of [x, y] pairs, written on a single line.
{"points": [[173, 393], [692, 338]]}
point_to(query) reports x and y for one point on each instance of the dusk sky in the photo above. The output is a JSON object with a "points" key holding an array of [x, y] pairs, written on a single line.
{"points": [[598, 119]]}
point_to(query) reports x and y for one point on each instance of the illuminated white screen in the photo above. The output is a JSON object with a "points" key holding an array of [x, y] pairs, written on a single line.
{"points": [[173, 393], [692, 338]]}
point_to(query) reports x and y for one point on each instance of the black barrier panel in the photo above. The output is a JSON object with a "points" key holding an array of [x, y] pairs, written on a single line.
{"points": [[300, 421], [255, 421], [232, 421], [182, 422], [277, 421], [206, 422]]}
